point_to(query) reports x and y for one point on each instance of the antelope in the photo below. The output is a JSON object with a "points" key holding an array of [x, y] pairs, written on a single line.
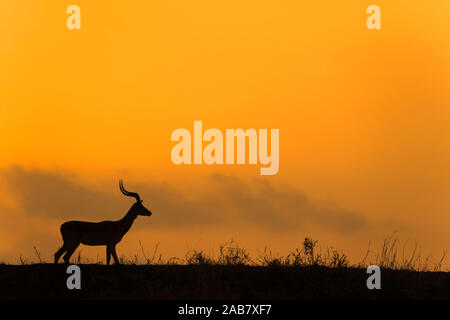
{"points": [[105, 233]]}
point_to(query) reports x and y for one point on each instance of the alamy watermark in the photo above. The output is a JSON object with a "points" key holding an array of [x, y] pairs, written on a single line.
{"points": [[374, 20], [213, 152], [374, 281], [74, 20], [74, 280]]}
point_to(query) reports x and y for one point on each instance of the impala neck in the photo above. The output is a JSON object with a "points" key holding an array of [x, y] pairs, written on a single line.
{"points": [[128, 219]]}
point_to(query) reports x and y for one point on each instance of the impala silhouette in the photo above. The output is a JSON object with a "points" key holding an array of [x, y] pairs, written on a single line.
{"points": [[105, 233]]}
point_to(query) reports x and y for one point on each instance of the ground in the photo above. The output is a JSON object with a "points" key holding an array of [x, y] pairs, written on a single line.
{"points": [[48, 281]]}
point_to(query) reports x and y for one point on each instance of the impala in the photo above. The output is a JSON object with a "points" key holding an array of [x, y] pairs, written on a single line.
{"points": [[105, 233]]}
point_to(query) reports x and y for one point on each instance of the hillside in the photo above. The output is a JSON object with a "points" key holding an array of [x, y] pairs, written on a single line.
{"points": [[48, 281]]}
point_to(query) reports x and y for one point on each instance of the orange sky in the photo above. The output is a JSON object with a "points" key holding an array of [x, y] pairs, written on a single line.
{"points": [[363, 117]]}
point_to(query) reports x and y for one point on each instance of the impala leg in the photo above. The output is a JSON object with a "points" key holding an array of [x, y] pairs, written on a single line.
{"points": [[108, 254], [116, 260], [71, 249], [60, 252]]}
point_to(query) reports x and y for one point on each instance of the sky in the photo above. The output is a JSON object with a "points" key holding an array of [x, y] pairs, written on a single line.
{"points": [[364, 148]]}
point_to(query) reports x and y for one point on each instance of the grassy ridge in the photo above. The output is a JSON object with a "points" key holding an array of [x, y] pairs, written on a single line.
{"points": [[47, 281], [231, 254], [306, 273]]}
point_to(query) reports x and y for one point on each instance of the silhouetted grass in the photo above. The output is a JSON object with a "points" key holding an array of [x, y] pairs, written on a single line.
{"points": [[392, 255], [307, 272], [389, 257]]}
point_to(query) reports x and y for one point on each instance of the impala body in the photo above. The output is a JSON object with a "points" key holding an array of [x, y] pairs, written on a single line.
{"points": [[107, 233]]}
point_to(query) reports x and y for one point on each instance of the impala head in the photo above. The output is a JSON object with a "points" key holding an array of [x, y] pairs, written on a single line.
{"points": [[138, 207]]}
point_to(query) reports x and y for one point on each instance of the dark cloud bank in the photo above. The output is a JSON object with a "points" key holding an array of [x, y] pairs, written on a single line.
{"points": [[227, 200]]}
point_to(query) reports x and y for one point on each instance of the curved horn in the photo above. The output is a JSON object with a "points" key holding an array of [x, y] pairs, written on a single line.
{"points": [[127, 193]]}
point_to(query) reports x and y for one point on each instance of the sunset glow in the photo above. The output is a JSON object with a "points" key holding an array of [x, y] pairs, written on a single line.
{"points": [[363, 118]]}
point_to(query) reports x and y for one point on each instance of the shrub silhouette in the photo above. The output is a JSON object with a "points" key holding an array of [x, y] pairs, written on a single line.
{"points": [[232, 254]]}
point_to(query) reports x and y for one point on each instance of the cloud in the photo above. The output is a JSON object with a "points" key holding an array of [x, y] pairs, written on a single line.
{"points": [[282, 208], [226, 200], [52, 195]]}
